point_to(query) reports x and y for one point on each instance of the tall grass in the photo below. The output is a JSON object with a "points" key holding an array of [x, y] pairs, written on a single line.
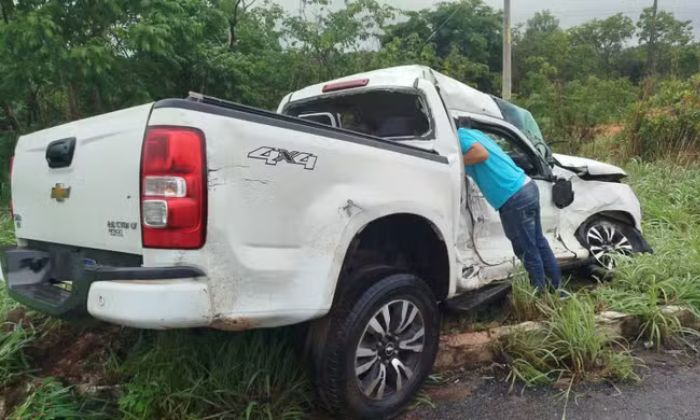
{"points": [[209, 374], [48, 399], [523, 300], [568, 346], [670, 197], [13, 339]]}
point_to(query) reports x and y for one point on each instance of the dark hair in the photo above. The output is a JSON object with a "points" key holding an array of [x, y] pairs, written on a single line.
{"points": [[464, 122]]}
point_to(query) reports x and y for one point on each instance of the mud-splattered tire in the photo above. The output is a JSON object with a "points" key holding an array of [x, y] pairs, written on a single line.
{"points": [[376, 348]]}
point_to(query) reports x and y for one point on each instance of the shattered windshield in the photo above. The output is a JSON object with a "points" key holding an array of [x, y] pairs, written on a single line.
{"points": [[523, 119]]}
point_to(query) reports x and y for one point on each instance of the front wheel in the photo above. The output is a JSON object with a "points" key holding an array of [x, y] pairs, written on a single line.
{"points": [[606, 239], [379, 349]]}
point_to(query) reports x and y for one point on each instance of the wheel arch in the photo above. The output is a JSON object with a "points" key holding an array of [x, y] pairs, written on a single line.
{"points": [[403, 239], [615, 215]]}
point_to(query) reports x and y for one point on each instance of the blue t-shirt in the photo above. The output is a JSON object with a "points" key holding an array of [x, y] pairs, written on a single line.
{"points": [[498, 177]]}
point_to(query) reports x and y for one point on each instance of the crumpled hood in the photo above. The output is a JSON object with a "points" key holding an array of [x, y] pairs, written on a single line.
{"points": [[584, 166]]}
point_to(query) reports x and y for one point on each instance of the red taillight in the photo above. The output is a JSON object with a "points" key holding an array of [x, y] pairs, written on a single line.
{"points": [[332, 87], [173, 188], [12, 165]]}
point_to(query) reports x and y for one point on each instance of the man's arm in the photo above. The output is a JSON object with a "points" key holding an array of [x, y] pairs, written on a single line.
{"points": [[476, 154]]}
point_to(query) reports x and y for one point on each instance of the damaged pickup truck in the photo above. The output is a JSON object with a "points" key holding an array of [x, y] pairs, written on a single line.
{"points": [[348, 208]]}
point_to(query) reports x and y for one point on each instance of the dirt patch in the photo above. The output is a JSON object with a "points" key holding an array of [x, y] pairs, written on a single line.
{"points": [[76, 355], [450, 393], [609, 130], [16, 315]]}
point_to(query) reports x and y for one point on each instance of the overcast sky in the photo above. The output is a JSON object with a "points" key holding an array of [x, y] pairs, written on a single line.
{"points": [[569, 12]]}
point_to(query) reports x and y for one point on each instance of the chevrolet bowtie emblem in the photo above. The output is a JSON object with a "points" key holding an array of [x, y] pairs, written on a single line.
{"points": [[60, 192]]}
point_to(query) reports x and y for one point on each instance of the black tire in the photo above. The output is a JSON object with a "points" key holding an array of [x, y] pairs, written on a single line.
{"points": [[336, 345], [604, 237]]}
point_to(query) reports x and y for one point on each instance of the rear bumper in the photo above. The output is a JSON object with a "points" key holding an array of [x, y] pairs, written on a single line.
{"points": [[65, 284], [155, 304]]}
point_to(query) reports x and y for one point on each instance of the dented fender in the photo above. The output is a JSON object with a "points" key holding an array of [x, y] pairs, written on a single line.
{"points": [[592, 198]]}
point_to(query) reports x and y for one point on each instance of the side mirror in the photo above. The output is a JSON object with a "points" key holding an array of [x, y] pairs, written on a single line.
{"points": [[562, 193]]}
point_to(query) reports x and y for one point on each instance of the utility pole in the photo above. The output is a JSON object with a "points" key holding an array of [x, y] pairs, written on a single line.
{"points": [[651, 58], [507, 39]]}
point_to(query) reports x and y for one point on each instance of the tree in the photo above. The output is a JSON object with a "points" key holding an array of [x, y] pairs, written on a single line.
{"points": [[662, 35], [603, 40], [468, 28], [669, 30], [329, 44]]}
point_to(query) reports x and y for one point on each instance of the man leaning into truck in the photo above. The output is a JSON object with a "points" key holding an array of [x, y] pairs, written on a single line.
{"points": [[516, 197]]}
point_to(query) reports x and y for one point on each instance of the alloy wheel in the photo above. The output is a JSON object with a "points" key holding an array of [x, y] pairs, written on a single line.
{"points": [[389, 351], [605, 240]]}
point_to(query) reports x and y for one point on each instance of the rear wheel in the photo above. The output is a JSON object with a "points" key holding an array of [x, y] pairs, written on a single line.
{"points": [[607, 238], [378, 348]]}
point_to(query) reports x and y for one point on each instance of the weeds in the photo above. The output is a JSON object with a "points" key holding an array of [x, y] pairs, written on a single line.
{"points": [[215, 374], [48, 399], [13, 362], [568, 346], [13, 339], [7, 231], [523, 299]]}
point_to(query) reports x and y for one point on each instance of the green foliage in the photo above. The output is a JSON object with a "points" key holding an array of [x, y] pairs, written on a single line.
{"points": [[670, 197], [7, 144], [48, 399], [68, 60], [603, 39], [215, 374], [13, 363], [669, 31], [467, 31], [568, 347], [13, 340], [580, 106], [667, 124], [524, 299]]}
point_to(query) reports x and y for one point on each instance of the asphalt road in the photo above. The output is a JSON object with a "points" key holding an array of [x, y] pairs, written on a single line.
{"points": [[670, 390]]}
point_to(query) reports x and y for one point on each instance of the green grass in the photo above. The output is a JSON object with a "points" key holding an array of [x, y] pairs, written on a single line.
{"points": [[13, 362], [13, 339], [569, 346], [670, 197], [204, 374], [48, 399]]}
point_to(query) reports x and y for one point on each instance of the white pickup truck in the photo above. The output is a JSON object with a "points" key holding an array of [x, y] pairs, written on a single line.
{"points": [[348, 207]]}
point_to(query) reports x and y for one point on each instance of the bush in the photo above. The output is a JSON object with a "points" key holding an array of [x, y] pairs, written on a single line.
{"points": [[7, 146], [572, 111], [667, 124]]}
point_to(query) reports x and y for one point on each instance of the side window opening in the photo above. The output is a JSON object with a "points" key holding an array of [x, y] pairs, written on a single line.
{"points": [[388, 114]]}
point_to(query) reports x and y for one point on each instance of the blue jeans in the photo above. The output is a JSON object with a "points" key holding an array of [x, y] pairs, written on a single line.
{"points": [[520, 217]]}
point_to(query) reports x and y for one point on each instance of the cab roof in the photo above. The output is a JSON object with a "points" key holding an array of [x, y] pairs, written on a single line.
{"points": [[458, 97]]}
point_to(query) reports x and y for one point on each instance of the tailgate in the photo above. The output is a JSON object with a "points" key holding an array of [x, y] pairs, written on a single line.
{"points": [[78, 183]]}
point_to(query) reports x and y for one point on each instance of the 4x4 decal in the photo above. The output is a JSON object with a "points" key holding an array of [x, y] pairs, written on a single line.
{"points": [[272, 156]]}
